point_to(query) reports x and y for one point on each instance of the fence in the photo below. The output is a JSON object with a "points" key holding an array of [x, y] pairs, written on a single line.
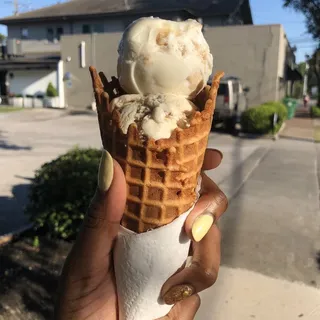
{"points": [[31, 102]]}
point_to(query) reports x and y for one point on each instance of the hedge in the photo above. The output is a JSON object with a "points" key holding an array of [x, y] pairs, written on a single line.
{"points": [[61, 192], [315, 111], [260, 119]]}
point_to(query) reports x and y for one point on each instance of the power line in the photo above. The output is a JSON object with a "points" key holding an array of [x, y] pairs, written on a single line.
{"points": [[301, 38], [302, 41]]}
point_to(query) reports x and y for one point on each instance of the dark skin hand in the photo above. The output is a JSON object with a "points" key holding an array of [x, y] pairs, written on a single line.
{"points": [[87, 284]]}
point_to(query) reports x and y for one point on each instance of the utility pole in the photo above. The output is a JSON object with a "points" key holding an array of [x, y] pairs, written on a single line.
{"points": [[18, 5], [15, 7], [305, 78]]}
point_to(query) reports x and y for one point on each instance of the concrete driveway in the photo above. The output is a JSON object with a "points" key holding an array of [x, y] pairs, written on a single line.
{"points": [[27, 140], [270, 245]]}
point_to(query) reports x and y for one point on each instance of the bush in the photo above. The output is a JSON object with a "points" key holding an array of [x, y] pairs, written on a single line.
{"points": [[260, 119], [51, 91], [315, 111], [61, 192]]}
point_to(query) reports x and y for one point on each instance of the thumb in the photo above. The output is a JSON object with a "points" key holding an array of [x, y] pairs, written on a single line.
{"points": [[101, 224]]}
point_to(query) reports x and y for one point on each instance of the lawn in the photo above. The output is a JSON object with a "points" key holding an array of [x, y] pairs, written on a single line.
{"points": [[4, 109]]}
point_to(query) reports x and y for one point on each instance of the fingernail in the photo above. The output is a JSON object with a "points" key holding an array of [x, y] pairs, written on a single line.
{"points": [[105, 174], [178, 293], [201, 225]]}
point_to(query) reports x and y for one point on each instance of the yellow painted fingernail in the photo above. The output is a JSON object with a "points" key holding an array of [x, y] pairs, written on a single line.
{"points": [[201, 225], [105, 174], [178, 293]]}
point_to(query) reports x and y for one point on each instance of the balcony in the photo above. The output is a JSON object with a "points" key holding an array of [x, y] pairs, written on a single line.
{"points": [[18, 47]]}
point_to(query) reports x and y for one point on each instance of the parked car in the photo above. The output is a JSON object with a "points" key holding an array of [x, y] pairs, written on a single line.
{"points": [[231, 101]]}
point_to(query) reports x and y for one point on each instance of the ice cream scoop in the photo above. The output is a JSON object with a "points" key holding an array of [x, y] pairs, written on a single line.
{"points": [[156, 115], [159, 56]]}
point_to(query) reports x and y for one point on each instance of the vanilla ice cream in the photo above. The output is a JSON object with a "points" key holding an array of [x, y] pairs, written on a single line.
{"points": [[159, 56], [156, 115]]}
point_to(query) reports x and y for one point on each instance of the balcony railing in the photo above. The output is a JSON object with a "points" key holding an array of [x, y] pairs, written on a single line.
{"points": [[18, 47]]}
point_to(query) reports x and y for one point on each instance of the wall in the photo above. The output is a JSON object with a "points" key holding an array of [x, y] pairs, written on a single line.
{"points": [[101, 52], [251, 53], [30, 82], [283, 47], [37, 31]]}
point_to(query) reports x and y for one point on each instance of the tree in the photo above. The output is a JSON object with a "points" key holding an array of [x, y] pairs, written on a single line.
{"points": [[311, 10], [2, 38], [51, 91], [314, 63]]}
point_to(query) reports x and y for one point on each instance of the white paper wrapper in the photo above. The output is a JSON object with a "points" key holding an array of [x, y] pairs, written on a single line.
{"points": [[143, 263]]}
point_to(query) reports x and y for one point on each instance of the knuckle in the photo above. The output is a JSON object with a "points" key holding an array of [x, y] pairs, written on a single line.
{"points": [[221, 199], [93, 222], [94, 218], [209, 277]]}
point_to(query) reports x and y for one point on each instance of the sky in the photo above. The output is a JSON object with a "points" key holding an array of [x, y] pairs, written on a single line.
{"points": [[264, 12]]}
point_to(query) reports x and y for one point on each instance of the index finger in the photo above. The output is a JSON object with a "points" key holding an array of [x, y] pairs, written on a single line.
{"points": [[212, 201]]}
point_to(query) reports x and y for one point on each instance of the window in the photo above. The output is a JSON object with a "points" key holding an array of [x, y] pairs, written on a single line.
{"points": [[24, 33], [98, 28], [59, 32], [50, 34], [223, 89], [86, 28]]}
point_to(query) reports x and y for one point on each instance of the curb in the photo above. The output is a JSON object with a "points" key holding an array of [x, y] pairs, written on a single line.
{"points": [[80, 112], [298, 139], [8, 237], [263, 136]]}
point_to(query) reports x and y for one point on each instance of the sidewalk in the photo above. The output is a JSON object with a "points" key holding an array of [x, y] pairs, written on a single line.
{"points": [[302, 127], [243, 295]]}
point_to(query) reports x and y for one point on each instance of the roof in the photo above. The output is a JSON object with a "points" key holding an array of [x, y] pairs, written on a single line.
{"points": [[84, 8], [30, 62]]}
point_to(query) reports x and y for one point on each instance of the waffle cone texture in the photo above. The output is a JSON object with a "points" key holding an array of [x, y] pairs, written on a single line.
{"points": [[161, 175]]}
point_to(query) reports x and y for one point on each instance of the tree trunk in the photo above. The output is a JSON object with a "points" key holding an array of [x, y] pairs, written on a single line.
{"points": [[318, 86]]}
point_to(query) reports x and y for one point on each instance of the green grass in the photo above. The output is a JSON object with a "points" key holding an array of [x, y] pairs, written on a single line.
{"points": [[316, 134], [315, 112], [4, 109]]}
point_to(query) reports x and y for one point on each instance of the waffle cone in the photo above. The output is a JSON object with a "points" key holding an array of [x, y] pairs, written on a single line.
{"points": [[161, 175]]}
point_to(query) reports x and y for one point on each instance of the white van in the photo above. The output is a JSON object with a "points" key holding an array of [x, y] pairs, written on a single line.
{"points": [[231, 101]]}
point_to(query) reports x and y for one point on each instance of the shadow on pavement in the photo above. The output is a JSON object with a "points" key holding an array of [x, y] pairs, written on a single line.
{"points": [[28, 275], [302, 115], [11, 209], [229, 237], [318, 260], [7, 146]]}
